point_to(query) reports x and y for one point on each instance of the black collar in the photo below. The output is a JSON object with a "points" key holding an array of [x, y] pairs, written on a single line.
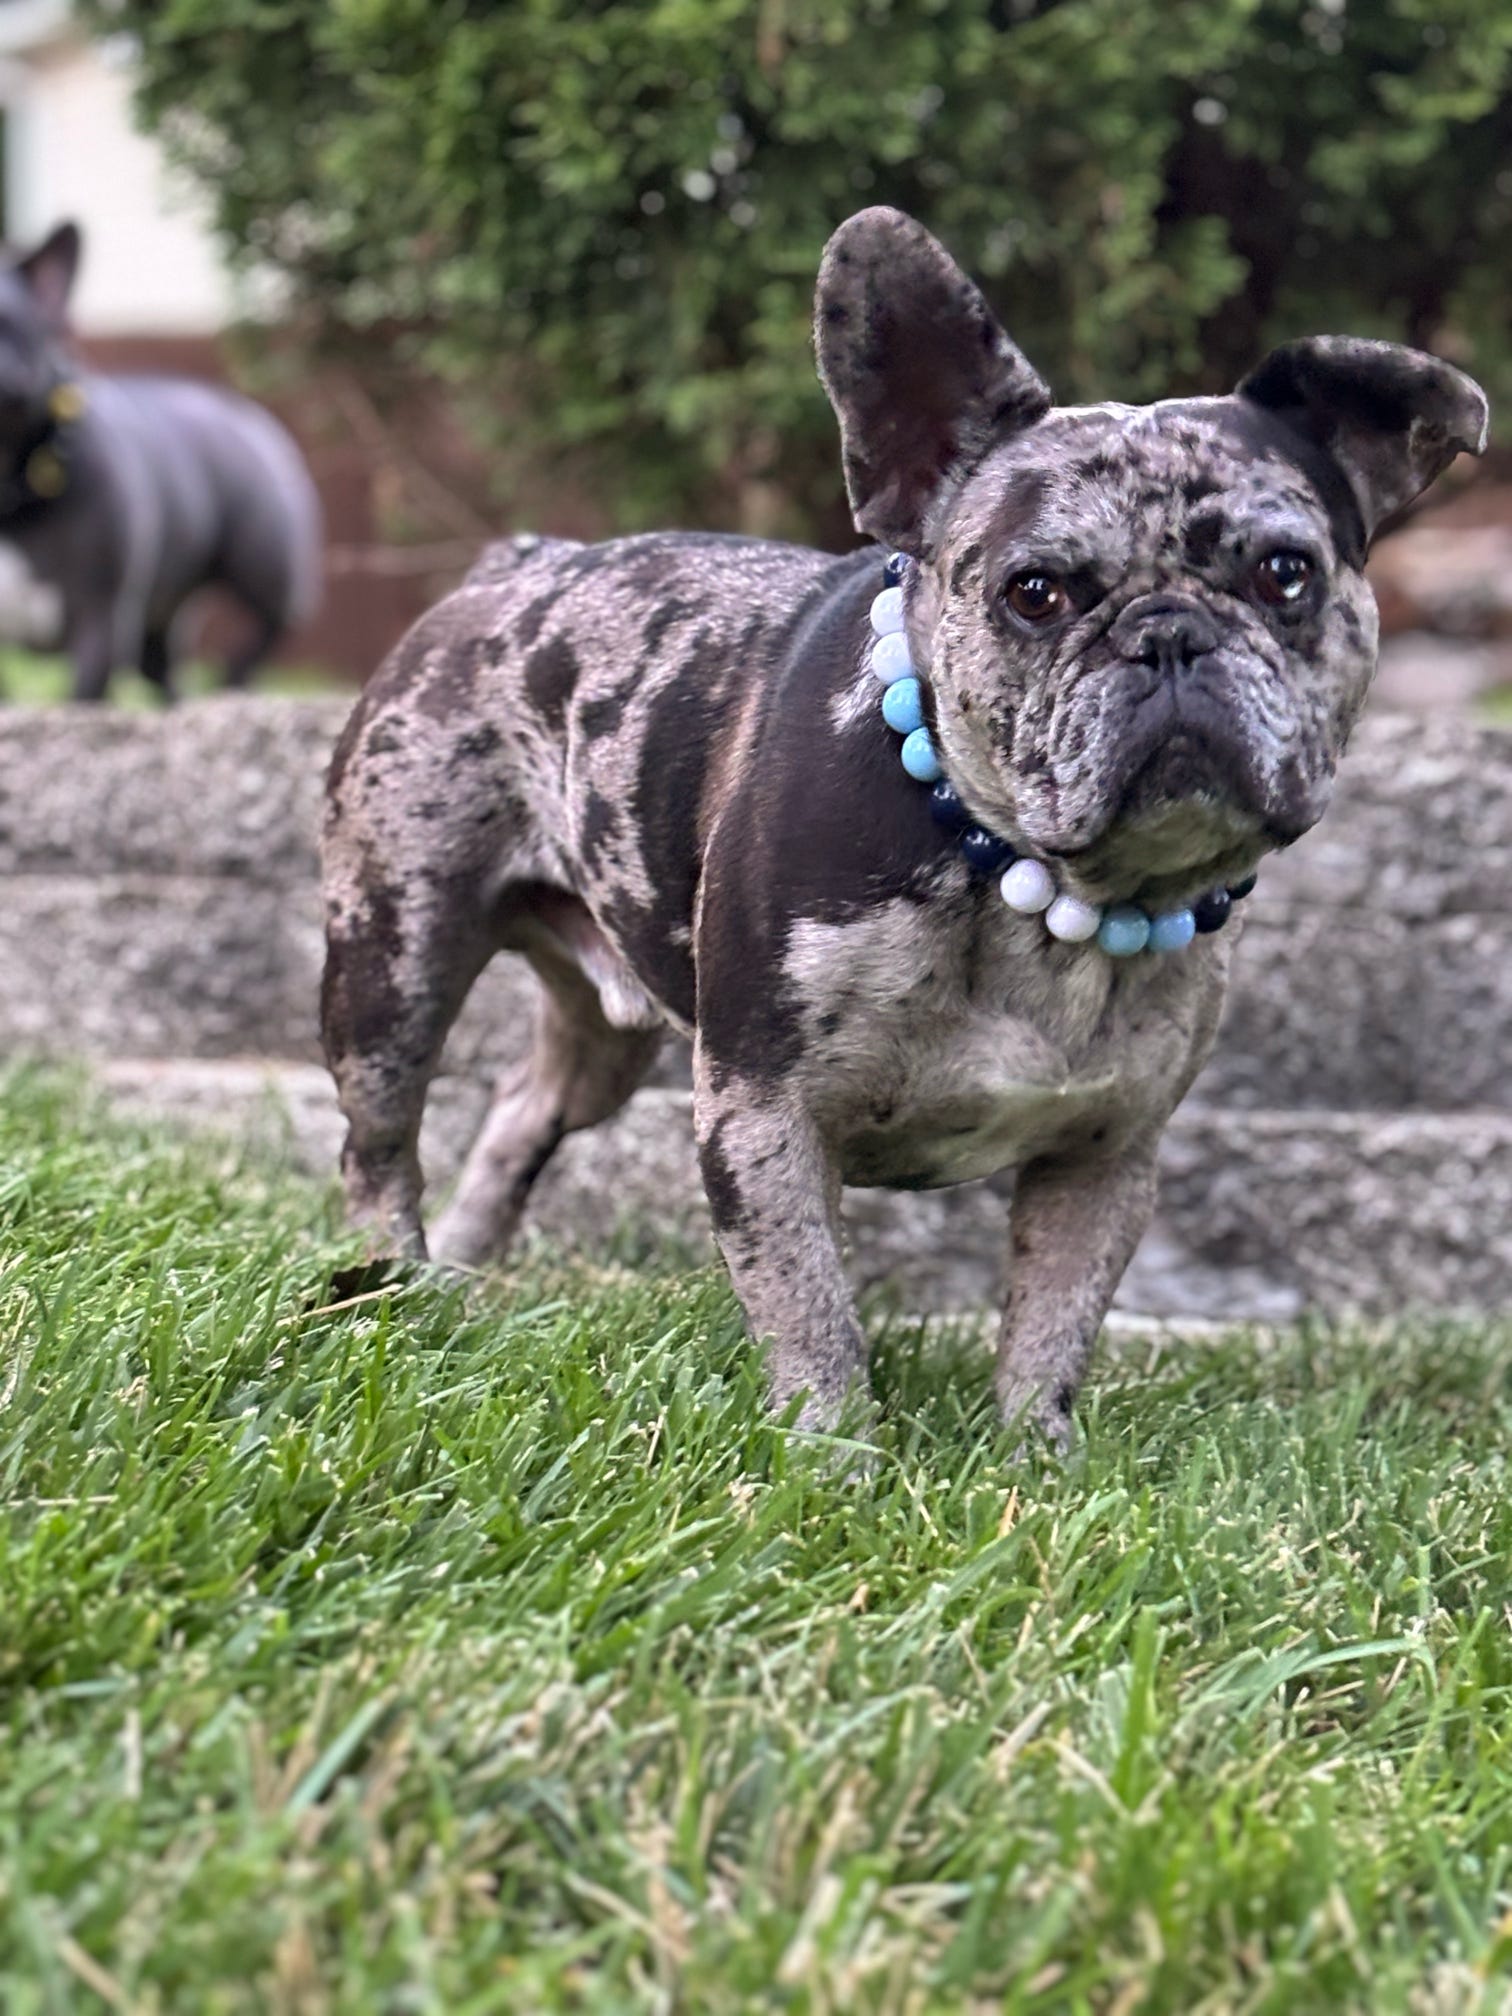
{"points": [[43, 465]]}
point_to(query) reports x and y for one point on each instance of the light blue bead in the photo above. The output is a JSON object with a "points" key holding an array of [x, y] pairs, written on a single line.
{"points": [[1124, 931], [919, 758], [1172, 931], [903, 706]]}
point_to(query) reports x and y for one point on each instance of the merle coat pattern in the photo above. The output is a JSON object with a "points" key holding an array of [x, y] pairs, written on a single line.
{"points": [[656, 769], [167, 486]]}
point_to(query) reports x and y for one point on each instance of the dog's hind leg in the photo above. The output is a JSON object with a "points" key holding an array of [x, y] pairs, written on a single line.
{"points": [[438, 851], [272, 540], [158, 661], [249, 653], [581, 1069], [398, 967], [404, 943]]}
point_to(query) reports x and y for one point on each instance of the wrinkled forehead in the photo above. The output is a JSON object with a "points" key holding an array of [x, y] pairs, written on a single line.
{"points": [[1116, 483]]}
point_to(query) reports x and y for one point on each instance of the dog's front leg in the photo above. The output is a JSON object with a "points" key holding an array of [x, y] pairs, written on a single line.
{"points": [[1075, 1225], [774, 1194], [90, 642]]}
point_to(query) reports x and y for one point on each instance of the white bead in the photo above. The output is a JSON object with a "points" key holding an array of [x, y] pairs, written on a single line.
{"points": [[887, 612], [1071, 920], [890, 659], [1028, 886]]}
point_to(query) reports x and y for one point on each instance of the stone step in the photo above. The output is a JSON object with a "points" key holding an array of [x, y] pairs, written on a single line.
{"points": [[1356, 1008], [1263, 1215], [176, 966], [160, 900], [1420, 827], [156, 965], [1347, 1010], [227, 786]]}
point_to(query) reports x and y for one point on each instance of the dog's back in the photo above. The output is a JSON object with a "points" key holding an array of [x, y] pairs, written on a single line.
{"points": [[221, 488]]}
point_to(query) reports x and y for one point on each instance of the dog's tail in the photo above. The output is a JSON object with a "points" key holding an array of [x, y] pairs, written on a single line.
{"points": [[502, 559]]}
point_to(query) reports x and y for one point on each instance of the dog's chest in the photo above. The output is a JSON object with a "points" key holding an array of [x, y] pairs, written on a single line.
{"points": [[939, 1050], [978, 1096], [31, 608]]}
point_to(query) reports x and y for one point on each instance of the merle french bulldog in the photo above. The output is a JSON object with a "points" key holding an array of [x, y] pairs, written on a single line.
{"points": [[1126, 647], [122, 496]]}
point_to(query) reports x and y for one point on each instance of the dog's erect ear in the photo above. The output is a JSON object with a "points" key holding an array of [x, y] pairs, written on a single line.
{"points": [[916, 366], [50, 270], [1391, 419]]}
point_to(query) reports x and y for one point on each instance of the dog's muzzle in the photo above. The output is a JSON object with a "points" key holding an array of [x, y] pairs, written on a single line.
{"points": [[1183, 738]]}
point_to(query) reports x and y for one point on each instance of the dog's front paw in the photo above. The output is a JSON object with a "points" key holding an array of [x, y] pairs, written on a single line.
{"points": [[1042, 1420], [838, 1410], [837, 1436]]}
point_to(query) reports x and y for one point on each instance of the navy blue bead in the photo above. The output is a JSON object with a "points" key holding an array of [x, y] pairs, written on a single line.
{"points": [[1239, 890], [897, 566], [984, 851], [946, 807], [1211, 912]]}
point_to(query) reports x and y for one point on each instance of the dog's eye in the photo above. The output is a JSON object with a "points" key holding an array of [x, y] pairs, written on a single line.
{"points": [[1282, 579], [1036, 598]]}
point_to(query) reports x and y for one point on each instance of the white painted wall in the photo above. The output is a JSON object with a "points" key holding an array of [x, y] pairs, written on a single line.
{"points": [[150, 265]]}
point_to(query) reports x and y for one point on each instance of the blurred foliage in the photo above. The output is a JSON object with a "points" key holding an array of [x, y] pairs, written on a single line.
{"points": [[617, 209]]}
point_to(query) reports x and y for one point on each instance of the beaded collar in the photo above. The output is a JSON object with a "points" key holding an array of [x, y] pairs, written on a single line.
{"points": [[1028, 887], [40, 471]]}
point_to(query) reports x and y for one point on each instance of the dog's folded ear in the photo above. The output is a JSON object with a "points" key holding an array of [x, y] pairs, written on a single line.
{"points": [[922, 376], [50, 271], [1390, 419]]}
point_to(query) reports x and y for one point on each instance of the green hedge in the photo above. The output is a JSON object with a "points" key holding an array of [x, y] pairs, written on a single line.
{"points": [[627, 201]]}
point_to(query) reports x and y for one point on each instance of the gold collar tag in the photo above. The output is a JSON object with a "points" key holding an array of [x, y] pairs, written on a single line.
{"points": [[45, 474], [66, 402]]}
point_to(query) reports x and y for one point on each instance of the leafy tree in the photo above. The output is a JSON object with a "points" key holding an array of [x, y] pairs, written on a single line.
{"points": [[620, 204]]}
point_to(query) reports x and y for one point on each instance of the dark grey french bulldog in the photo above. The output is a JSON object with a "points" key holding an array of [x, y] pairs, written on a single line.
{"points": [[121, 497], [657, 770]]}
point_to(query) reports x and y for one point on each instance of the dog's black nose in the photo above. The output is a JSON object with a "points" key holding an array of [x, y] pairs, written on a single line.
{"points": [[1169, 636]]}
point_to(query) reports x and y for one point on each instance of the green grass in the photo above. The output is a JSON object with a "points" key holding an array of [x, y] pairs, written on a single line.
{"points": [[29, 680], [489, 1650]]}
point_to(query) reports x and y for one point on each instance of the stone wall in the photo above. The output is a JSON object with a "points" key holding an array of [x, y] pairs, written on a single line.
{"points": [[1350, 1144]]}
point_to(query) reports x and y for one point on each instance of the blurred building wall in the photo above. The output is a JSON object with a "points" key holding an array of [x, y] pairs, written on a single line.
{"points": [[71, 151], [155, 295]]}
